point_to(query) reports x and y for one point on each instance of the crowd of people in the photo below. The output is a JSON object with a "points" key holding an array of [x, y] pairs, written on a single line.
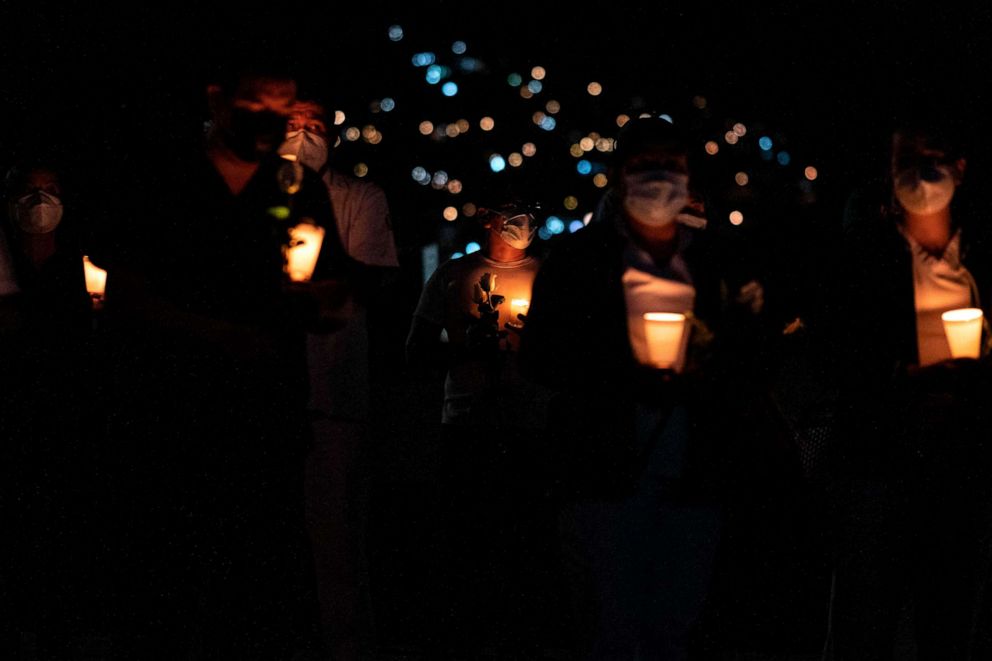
{"points": [[191, 446]]}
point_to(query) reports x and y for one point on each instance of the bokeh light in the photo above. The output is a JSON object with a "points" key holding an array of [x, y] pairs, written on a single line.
{"points": [[395, 33], [570, 203], [740, 129], [552, 106], [741, 178], [497, 163], [487, 123], [472, 247], [514, 80], [736, 217], [535, 86], [576, 150], [339, 117], [731, 137], [454, 186], [450, 213], [469, 209], [360, 169], [459, 48], [583, 167], [387, 104], [594, 89], [783, 158], [811, 173], [537, 73], [765, 143], [587, 144], [622, 119], [711, 147], [463, 125], [515, 160], [449, 88], [426, 128], [352, 134], [600, 180], [529, 149]]}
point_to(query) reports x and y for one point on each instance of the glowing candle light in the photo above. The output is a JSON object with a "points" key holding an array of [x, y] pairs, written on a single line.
{"points": [[301, 254], [96, 281], [964, 332], [664, 332], [519, 306]]}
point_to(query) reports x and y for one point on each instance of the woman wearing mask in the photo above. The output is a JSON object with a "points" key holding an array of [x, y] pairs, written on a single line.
{"points": [[640, 450], [911, 462]]}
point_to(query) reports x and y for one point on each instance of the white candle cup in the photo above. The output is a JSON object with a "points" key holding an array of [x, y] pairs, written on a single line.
{"points": [[303, 250], [963, 329], [96, 280], [518, 306], [664, 333]]}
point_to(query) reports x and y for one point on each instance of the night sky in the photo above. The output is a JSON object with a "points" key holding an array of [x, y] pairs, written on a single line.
{"points": [[821, 80]]}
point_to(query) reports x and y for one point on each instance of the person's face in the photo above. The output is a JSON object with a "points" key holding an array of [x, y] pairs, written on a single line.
{"points": [[654, 187], [41, 180], [307, 116], [924, 176], [252, 121]]}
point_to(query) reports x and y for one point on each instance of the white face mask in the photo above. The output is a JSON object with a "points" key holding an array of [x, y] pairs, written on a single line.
{"points": [[655, 197], [305, 147], [518, 231], [38, 212], [921, 197]]}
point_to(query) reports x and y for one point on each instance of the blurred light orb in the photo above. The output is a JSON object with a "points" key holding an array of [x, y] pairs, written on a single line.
{"points": [[459, 48], [352, 134], [535, 86], [472, 247], [360, 169], [810, 173], [783, 158], [515, 160], [765, 143], [395, 33], [583, 167], [487, 123], [426, 128], [731, 137], [450, 213], [339, 117], [552, 106], [740, 129], [570, 203], [600, 180], [594, 89], [741, 178], [454, 186], [469, 209], [387, 104], [537, 73], [449, 88], [622, 119], [514, 80], [529, 149], [497, 163], [736, 217]]}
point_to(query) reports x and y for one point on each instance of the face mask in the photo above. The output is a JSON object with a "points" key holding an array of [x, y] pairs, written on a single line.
{"points": [[518, 231], [925, 196], [307, 147], [252, 135], [655, 197], [38, 212]]}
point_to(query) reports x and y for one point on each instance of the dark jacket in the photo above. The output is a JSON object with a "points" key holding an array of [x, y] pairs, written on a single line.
{"points": [[576, 342]]}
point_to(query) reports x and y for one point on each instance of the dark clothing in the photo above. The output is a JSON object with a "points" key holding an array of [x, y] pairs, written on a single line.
{"points": [[210, 418], [911, 458]]}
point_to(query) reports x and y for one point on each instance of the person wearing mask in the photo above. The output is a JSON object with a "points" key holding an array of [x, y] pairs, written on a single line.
{"points": [[210, 408], [640, 445], [491, 418], [908, 473], [338, 362]]}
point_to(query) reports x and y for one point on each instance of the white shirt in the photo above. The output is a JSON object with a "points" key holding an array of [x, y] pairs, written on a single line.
{"points": [[940, 283]]}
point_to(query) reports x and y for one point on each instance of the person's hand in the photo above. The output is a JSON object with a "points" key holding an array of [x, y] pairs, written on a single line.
{"points": [[518, 325]]}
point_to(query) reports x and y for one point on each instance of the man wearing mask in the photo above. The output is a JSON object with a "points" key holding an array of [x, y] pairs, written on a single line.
{"points": [[492, 562], [337, 473], [213, 378], [640, 446]]}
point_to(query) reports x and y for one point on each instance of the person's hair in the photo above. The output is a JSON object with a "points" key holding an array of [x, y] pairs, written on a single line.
{"points": [[648, 134], [16, 177], [230, 73]]}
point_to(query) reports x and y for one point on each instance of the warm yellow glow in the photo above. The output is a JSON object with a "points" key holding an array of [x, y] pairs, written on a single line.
{"points": [[96, 280], [518, 306], [463, 125], [361, 169], [587, 144], [571, 203], [622, 119], [537, 73], [576, 150], [594, 89], [515, 159], [469, 209], [731, 137], [741, 178], [811, 173], [552, 106], [301, 254], [663, 331], [451, 130], [963, 329], [450, 213], [338, 117], [426, 128], [600, 180], [375, 138], [487, 123], [529, 149], [740, 129], [736, 218], [712, 147], [352, 134], [455, 186]]}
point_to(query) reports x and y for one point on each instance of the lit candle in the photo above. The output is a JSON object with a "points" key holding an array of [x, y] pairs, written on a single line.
{"points": [[96, 281], [964, 332], [304, 247], [663, 331], [518, 306]]}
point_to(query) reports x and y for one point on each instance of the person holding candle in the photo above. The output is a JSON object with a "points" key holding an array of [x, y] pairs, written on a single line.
{"points": [[644, 419], [909, 469], [213, 378], [339, 367], [493, 553]]}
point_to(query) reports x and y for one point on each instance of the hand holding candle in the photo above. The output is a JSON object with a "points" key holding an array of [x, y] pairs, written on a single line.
{"points": [[964, 332], [301, 254]]}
